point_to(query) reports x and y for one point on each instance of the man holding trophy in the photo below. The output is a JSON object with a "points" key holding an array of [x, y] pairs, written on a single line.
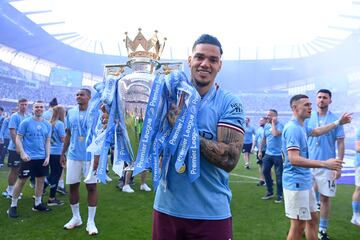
{"points": [[201, 209], [187, 123]]}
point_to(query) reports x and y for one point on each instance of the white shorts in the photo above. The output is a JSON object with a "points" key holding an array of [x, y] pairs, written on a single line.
{"points": [[299, 204], [76, 169], [324, 179], [357, 176]]}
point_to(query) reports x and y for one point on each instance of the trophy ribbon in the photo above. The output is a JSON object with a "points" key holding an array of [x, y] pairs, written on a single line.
{"points": [[118, 164], [193, 160], [187, 134], [110, 89], [147, 133], [94, 148], [183, 137], [115, 122]]}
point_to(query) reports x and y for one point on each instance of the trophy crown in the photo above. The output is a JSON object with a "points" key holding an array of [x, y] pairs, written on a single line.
{"points": [[141, 47]]}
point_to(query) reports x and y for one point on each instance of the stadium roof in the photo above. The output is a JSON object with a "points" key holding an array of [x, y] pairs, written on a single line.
{"points": [[254, 29]]}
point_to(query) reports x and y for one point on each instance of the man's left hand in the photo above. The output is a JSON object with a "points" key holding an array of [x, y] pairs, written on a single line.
{"points": [[46, 162], [337, 174]]}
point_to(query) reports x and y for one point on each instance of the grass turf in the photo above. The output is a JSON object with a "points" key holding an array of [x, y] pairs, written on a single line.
{"points": [[129, 216]]}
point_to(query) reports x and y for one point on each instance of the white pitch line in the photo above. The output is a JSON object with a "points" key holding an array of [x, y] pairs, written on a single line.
{"points": [[239, 181], [243, 176]]}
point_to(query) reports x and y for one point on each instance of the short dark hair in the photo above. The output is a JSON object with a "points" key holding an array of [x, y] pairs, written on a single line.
{"points": [[325, 91], [88, 92], [53, 102], [1, 109], [274, 111], [206, 38], [22, 100], [296, 98]]}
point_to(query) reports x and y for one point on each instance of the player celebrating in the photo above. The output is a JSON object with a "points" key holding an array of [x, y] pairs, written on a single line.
{"points": [[322, 148], [33, 142], [299, 197], [78, 122]]}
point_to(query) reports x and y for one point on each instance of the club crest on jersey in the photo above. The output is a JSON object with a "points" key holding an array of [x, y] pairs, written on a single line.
{"points": [[236, 107], [38, 127]]}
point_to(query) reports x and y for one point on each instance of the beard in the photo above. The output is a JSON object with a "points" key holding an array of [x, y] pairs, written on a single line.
{"points": [[198, 83]]}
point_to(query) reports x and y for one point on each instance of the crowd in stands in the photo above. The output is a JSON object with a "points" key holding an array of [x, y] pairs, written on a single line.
{"points": [[12, 90], [257, 103]]}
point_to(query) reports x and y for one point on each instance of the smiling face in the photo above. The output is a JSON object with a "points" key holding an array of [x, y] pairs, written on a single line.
{"points": [[204, 64], [38, 109]]}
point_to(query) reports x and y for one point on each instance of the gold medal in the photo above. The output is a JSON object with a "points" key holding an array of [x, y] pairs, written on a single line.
{"points": [[182, 169], [81, 138]]}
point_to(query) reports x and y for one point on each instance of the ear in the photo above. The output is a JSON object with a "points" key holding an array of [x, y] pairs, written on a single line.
{"points": [[189, 60]]}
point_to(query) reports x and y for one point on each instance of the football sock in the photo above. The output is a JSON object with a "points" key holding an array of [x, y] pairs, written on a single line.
{"points": [[323, 224], [91, 214], [356, 207]]}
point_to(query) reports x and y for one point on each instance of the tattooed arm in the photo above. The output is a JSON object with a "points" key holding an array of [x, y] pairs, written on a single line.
{"points": [[224, 153]]}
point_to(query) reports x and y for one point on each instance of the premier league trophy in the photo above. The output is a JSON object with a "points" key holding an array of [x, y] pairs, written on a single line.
{"points": [[134, 88], [126, 91]]}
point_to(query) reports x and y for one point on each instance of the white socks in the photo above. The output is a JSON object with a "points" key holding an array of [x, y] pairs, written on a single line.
{"points": [[91, 214], [14, 202], [75, 209], [10, 189], [37, 201], [61, 184]]}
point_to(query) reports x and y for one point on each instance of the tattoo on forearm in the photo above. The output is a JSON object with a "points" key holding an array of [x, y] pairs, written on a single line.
{"points": [[226, 151]]}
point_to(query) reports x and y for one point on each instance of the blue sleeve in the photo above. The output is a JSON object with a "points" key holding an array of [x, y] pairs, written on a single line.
{"points": [[2, 130], [22, 128], [233, 114], [340, 133], [292, 138], [13, 122], [49, 130], [280, 127]]}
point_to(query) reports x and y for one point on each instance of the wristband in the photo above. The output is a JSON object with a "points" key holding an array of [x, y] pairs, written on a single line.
{"points": [[337, 122]]}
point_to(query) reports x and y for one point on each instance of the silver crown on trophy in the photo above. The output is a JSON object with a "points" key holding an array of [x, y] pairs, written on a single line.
{"points": [[141, 47]]}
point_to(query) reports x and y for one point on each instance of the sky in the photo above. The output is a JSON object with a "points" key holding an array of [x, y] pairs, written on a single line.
{"points": [[247, 29]]}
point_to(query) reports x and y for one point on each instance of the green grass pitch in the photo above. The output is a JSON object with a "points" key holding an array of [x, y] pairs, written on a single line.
{"points": [[129, 216]]}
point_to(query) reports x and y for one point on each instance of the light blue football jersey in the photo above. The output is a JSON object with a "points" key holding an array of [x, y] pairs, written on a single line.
{"points": [[78, 122], [47, 115], [248, 136], [294, 138], [273, 143], [323, 147], [209, 196], [14, 123], [5, 131], [34, 135], [258, 138], [58, 131]]}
